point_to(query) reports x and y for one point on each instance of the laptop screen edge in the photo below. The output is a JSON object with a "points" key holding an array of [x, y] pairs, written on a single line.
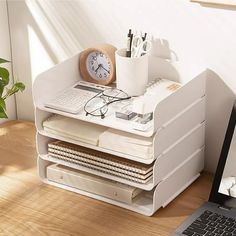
{"points": [[215, 195]]}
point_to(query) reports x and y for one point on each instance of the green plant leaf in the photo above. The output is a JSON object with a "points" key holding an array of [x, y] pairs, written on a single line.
{"points": [[2, 113], [2, 104], [2, 85], [4, 81], [3, 60], [19, 86], [4, 75]]}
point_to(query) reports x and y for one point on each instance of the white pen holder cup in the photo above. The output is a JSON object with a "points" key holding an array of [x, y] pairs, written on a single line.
{"points": [[131, 73]]}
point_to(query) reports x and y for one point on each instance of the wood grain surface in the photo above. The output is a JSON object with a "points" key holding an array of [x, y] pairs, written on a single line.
{"points": [[30, 208]]}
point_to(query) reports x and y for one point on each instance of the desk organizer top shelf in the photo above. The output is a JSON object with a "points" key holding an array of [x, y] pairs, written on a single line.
{"points": [[66, 74]]}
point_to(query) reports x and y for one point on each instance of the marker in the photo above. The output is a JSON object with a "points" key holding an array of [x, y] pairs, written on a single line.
{"points": [[129, 39], [130, 46], [144, 37]]}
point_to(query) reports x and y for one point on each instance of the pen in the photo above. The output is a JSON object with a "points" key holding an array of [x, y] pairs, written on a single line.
{"points": [[129, 39], [130, 46], [144, 46], [144, 37]]}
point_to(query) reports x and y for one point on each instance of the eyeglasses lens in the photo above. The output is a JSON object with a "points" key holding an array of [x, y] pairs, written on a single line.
{"points": [[96, 106], [115, 93]]}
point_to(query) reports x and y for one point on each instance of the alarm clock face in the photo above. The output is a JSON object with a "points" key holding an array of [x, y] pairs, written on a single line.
{"points": [[98, 65]]}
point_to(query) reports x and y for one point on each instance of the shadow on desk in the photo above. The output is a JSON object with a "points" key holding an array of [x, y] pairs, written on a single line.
{"points": [[190, 199], [17, 146]]}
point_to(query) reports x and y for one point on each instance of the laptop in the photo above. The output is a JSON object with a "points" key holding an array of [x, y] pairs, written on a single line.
{"points": [[218, 215]]}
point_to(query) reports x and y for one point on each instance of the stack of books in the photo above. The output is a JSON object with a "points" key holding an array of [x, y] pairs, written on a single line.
{"points": [[99, 161]]}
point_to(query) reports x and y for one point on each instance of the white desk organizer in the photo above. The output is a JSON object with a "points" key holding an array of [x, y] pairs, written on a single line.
{"points": [[178, 132]]}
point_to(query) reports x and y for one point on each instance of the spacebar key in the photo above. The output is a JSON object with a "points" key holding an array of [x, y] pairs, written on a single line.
{"points": [[196, 230]]}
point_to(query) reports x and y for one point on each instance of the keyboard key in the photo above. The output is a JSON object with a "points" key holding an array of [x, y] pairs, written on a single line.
{"points": [[220, 226], [197, 225], [196, 230], [209, 234], [189, 233], [221, 221], [219, 231], [210, 228], [227, 234], [202, 221], [231, 220], [230, 224], [229, 229], [213, 218], [204, 216], [208, 212], [214, 224]]}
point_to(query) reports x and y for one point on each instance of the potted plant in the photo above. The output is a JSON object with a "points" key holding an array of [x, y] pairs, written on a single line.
{"points": [[5, 91]]}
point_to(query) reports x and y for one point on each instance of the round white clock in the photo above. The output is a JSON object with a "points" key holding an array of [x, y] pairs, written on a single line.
{"points": [[97, 64]]}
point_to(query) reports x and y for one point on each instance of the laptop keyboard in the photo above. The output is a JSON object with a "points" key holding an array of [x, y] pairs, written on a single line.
{"points": [[212, 224]]}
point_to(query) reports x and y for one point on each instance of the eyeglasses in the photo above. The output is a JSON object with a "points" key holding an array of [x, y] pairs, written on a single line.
{"points": [[98, 105]]}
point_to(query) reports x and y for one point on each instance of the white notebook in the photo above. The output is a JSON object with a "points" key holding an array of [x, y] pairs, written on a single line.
{"points": [[123, 142], [74, 129]]}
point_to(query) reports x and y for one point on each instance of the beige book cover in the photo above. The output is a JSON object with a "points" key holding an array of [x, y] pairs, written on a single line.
{"points": [[92, 183], [74, 129]]}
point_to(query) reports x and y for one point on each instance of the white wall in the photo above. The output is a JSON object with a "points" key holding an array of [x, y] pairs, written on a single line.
{"points": [[45, 32], [5, 53]]}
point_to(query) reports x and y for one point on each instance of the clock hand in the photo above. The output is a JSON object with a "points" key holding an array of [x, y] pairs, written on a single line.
{"points": [[98, 68], [105, 69]]}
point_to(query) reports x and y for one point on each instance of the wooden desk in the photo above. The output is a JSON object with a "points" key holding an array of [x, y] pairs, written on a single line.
{"points": [[29, 207]]}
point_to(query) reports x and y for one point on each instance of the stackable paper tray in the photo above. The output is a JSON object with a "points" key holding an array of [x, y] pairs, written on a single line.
{"points": [[148, 201], [166, 163], [165, 137], [66, 74]]}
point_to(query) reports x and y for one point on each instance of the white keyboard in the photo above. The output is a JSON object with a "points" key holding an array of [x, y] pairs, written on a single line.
{"points": [[73, 99]]}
